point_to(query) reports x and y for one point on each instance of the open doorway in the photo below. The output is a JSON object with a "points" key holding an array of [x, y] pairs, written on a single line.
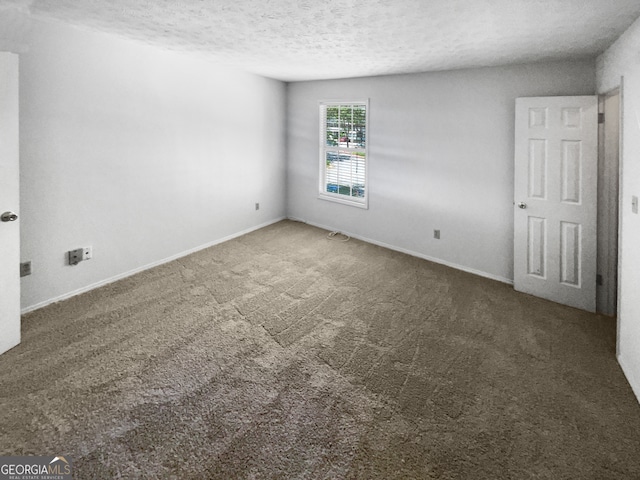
{"points": [[608, 200]]}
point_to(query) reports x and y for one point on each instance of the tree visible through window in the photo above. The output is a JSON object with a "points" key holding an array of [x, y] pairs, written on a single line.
{"points": [[343, 152]]}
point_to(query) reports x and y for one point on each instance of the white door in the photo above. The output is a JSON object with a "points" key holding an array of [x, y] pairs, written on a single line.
{"points": [[556, 168], [9, 180]]}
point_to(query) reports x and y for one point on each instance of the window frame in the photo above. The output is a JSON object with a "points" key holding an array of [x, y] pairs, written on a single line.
{"points": [[360, 202]]}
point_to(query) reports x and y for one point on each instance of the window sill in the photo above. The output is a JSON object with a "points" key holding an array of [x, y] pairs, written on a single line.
{"points": [[344, 200]]}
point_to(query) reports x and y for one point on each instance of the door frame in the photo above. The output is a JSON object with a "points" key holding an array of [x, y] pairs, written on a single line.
{"points": [[620, 211], [608, 205]]}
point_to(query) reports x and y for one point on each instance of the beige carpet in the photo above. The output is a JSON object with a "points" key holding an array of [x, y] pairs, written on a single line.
{"points": [[285, 354]]}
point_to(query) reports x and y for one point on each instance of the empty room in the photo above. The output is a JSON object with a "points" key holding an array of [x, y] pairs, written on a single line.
{"points": [[312, 240]]}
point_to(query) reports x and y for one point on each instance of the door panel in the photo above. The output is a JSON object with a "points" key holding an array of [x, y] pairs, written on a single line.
{"points": [[556, 168], [538, 168], [537, 247], [570, 242], [9, 180], [571, 171]]}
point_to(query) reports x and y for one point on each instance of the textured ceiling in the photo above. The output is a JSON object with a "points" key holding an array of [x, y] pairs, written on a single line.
{"points": [[316, 39]]}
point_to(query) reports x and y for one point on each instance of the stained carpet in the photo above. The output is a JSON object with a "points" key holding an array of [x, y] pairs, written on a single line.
{"points": [[286, 354]]}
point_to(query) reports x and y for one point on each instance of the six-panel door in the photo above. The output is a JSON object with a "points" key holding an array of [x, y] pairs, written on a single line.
{"points": [[9, 226], [555, 203]]}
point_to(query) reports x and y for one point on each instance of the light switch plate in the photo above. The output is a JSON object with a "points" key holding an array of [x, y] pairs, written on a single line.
{"points": [[634, 204]]}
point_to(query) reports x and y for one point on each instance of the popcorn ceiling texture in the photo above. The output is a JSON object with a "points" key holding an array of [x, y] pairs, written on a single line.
{"points": [[305, 39]]}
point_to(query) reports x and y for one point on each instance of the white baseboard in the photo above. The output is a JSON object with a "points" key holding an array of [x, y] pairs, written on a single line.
{"points": [[412, 253], [635, 386], [146, 267]]}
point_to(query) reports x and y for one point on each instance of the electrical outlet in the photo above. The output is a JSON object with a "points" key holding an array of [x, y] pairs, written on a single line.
{"points": [[75, 256], [25, 268], [436, 234], [87, 253], [257, 206]]}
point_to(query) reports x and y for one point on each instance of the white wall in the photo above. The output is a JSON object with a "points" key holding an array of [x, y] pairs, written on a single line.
{"points": [[440, 156], [142, 153], [622, 59], [15, 25], [622, 56]]}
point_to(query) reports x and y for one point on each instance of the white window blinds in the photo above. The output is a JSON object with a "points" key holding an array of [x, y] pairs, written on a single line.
{"points": [[343, 152]]}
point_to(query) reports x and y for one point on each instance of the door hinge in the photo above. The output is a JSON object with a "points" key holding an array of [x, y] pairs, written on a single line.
{"points": [[601, 118]]}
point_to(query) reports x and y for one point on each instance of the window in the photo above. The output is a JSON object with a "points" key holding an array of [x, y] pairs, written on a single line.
{"points": [[343, 152]]}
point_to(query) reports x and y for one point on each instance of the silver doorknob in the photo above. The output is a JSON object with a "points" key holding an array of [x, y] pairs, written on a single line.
{"points": [[8, 217], [522, 205]]}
